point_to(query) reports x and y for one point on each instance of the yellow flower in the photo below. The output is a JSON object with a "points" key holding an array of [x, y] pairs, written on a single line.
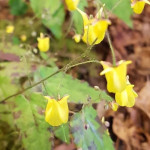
{"points": [[103, 119], [114, 106], [138, 5], [126, 97], [23, 38], [77, 38], [56, 111], [72, 4], [43, 43], [10, 29], [115, 76], [94, 29]]}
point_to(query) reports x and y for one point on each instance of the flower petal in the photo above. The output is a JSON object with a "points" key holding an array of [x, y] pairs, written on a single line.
{"points": [[56, 111], [72, 4], [84, 17], [138, 7], [122, 98], [52, 114], [126, 97], [43, 44], [106, 71], [64, 111]]}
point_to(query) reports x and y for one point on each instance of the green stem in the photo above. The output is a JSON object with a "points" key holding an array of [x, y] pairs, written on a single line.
{"points": [[112, 50], [90, 61], [33, 85], [69, 28], [110, 43], [41, 81]]}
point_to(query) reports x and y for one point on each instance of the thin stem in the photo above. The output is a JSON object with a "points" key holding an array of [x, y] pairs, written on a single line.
{"points": [[112, 50], [116, 5], [69, 28], [90, 61], [41, 81], [110, 43], [33, 85], [76, 60]]}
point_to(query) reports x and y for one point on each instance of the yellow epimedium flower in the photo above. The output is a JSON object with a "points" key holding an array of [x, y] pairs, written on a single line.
{"points": [[72, 4], [23, 38], [126, 97], [10, 29], [77, 38], [138, 5], [115, 76], [43, 43], [94, 28], [57, 111]]}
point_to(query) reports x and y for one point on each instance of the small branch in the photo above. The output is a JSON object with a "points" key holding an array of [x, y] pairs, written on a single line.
{"points": [[110, 43], [90, 61], [41, 81], [33, 85], [112, 50], [69, 28]]}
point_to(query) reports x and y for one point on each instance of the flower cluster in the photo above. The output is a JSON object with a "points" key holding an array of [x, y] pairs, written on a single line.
{"points": [[118, 83], [94, 28]]}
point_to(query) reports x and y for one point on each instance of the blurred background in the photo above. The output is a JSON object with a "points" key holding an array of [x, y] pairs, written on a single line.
{"points": [[20, 58]]}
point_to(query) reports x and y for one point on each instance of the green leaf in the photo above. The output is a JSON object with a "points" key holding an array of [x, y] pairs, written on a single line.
{"points": [[87, 131], [15, 40], [121, 8], [13, 49], [52, 14], [62, 132], [6, 87], [77, 18], [30, 122], [18, 7], [62, 84]]}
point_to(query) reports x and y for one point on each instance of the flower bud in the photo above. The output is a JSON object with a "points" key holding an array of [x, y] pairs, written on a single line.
{"points": [[43, 43]]}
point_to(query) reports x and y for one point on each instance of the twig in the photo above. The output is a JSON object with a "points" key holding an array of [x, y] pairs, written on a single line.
{"points": [[41, 81], [33, 85], [112, 50]]}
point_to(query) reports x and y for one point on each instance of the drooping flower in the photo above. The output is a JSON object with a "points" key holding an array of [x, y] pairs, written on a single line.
{"points": [[77, 38], [72, 4], [126, 97], [43, 43], [115, 76], [138, 5], [10, 29], [94, 28], [57, 111]]}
